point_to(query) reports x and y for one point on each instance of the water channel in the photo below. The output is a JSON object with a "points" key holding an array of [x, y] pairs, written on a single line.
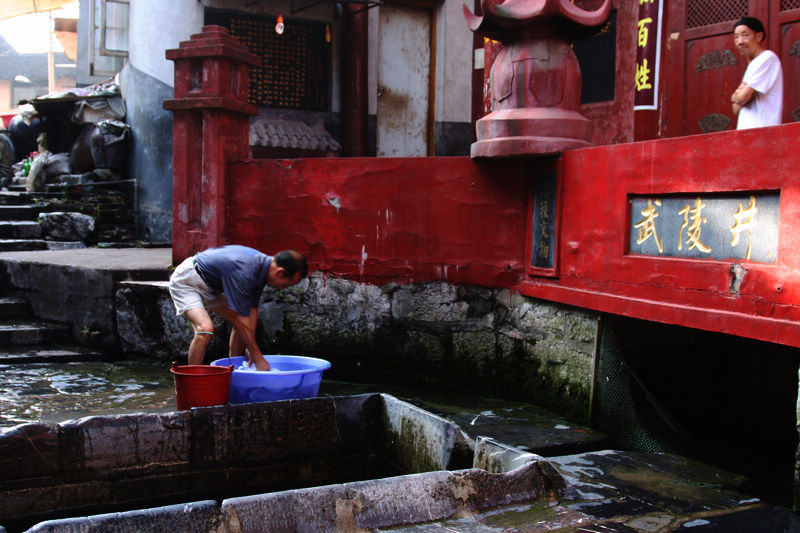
{"points": [[54, 392]]}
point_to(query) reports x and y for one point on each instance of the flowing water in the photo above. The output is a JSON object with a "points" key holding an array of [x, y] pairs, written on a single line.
{"points": [[54, 392]]}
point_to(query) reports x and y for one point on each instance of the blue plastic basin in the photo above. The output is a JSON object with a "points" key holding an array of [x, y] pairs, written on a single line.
{"points": [[292, 377]]}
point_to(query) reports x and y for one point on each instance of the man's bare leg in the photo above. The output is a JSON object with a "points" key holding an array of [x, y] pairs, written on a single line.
{"points": [[203, 331]]}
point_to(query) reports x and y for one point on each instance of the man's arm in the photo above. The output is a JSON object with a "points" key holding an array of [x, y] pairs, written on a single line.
{"points": [[741, 97], [243, 335]]}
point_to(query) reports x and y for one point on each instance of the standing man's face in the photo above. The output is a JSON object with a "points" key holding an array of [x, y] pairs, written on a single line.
{"points": [[747, 41]]}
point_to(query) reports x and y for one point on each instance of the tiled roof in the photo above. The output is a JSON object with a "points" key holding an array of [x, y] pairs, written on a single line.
{"points": [[281, 133]]}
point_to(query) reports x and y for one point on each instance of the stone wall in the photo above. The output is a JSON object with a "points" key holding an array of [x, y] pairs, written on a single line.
{"points": [[71, 286], [491, 341]]}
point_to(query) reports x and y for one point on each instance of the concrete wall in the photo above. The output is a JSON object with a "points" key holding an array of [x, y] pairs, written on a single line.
{"points": [[134, 461], [257, 460], [146, 81], [150, 35]]}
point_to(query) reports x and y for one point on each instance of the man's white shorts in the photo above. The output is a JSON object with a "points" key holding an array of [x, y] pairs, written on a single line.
{"points": [[189, 291]]}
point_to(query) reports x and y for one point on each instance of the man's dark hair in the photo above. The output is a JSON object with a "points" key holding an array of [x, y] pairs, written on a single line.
{"points": [[292, 262], [752, 23]]}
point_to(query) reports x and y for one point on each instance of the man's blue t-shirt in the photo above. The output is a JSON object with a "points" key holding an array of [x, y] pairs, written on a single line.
{"points": [[238, 271]]}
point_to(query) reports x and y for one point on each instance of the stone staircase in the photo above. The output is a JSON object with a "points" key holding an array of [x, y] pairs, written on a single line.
{"points": [[19, 226], [109, 203], [25, 339]]}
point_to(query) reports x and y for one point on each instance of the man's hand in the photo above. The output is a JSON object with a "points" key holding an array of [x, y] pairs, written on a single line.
{"points": [[259, 362], [242, 336]]}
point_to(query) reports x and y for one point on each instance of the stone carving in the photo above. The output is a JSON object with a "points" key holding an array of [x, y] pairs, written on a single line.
{"points": [[535, 79]]}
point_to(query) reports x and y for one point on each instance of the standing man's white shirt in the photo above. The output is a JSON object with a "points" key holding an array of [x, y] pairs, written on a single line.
{"points": [[765, 76]]}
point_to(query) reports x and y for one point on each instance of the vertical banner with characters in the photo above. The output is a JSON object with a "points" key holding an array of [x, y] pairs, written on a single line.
{"points": [[648, 54]]}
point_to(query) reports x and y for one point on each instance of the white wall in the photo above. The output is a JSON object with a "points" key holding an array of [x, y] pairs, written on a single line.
{"points": [[156, 26]]}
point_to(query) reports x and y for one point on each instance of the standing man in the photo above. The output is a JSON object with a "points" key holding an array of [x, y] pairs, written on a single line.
{"points": [[229, 281], [759, 98]]}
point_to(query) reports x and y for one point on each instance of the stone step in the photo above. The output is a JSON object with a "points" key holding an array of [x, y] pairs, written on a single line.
{"points": [[61, 353], [12, 307], [22, 245], [14, 198], [64, 245], [32, 332], [20, 212], [19, 196], [20, 229], [26, 245]]}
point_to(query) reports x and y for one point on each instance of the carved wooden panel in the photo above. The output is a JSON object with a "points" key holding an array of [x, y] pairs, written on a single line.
{"points": [[789, 52]]}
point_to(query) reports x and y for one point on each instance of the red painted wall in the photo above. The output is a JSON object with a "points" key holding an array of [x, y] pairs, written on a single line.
{"points": [[381, 220], [597, 273], [452, 219]]}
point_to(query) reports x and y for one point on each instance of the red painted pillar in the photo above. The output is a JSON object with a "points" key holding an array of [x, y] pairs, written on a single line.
{"points": [[210, 129], [354, 81]]}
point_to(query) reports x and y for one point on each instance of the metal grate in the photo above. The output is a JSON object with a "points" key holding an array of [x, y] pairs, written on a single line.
{"points": [[788, 5], [624, 408], [707, 12]]}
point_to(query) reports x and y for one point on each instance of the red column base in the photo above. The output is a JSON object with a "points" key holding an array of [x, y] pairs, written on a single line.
{"points": [[530, 131]]}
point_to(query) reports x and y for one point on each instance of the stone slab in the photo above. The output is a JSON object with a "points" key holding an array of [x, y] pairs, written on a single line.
{"points": [[194, 516], [629, 492], [14, 229]]}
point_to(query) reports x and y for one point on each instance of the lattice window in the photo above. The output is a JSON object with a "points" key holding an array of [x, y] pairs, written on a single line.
{"points": [[788, 5], [707, 12], [296, 65]]}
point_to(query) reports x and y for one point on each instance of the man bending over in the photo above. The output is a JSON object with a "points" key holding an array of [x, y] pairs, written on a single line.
{"points": [[228, 280]]}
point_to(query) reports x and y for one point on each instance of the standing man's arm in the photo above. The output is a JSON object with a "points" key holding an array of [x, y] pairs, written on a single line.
{"points": [[741, 96]]}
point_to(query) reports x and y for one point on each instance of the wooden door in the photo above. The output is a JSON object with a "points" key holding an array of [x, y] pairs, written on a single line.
{"points": [[703, 67], [404, 59], [787, 29]]}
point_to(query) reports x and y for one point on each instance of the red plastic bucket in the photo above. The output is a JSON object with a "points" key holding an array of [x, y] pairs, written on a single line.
{"points": [[201, 385]]}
